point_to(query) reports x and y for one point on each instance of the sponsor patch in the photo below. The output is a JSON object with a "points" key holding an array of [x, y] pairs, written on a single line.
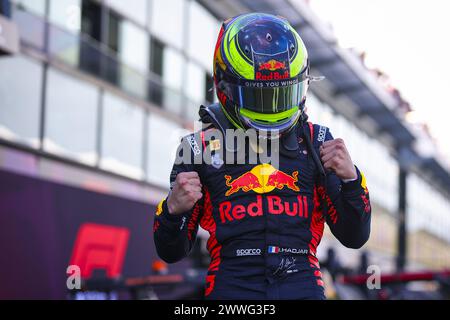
{"points": [[276, 249], [159, 209], [194, 145], [364, 182], [322, 134], [274, 67], [214, 145], [248, 252], [183, 223]]}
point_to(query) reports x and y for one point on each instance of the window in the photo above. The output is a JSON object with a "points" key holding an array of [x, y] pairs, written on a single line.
{"points": [[111, 70], [172, 76], [91, 25], [194, 90], [122, 137], [91, 19], [155, 90], [5, 8], [20, 99], [30, 22], [161, 13], [203, 31], [132, 47], [172, 72], [168, 64], [157, 58], [133, 53], [134, 9], [65, 19], [209, 88], [66, 14], [113, 31], [71, 117], [161, 152], [195, 84], [36, 6]]}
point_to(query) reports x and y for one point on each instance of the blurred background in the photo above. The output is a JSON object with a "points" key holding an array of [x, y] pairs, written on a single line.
{"points": [[94, 95]]}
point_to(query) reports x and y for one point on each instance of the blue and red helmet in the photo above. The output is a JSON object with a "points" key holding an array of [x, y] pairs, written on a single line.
{"points": [[261, 72]]}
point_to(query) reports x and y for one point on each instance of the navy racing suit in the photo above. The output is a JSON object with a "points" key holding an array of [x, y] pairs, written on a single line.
{"points": [[265, 224]]}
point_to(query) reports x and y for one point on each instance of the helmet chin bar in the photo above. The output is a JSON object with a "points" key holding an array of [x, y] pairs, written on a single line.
{"points": [[271, 131]]}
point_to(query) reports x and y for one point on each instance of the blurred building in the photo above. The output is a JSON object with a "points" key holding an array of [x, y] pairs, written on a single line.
{"points": [[93, 104]]}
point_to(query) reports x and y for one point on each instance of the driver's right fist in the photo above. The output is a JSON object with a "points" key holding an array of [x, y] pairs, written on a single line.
{"points": [[186, 191]]}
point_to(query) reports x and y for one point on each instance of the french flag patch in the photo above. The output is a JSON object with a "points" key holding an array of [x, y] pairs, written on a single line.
{"points": [[273, 249]]}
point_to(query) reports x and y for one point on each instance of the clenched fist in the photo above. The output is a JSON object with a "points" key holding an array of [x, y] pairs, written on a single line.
{"points": [[336, 158], [186, 191]]}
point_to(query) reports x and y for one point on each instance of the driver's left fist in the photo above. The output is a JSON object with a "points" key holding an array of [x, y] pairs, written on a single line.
{"points": [[335, 157]]}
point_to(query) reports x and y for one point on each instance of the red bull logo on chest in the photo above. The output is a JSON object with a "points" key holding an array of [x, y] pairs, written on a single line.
{"points": [[262, 178], [273, 205]]}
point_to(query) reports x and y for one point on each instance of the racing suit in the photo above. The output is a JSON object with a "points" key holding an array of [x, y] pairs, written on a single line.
{"points": [[264, 223]]}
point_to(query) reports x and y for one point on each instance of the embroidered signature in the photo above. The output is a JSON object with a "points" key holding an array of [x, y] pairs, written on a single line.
{"points": [[286, 265]]}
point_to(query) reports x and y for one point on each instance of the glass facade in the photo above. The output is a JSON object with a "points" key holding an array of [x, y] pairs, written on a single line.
{"points": [[133, 46], [145, 64], [136, 10], [34, 6], [172, 78], [203, 30], [66, 14], [143, 56], [122, 137], [367, 153], [160, 150], [170, 32], [29, 20], [195, 88], [426, 206], [20, 99], [133, 49], [64, 47], [71, 117]]}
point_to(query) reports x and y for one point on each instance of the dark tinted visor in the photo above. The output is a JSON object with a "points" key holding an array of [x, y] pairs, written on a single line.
{"points": [[262, 98]]}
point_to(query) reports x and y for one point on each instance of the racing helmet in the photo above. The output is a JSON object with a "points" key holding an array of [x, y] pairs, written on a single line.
{"points": [[261, 72]]}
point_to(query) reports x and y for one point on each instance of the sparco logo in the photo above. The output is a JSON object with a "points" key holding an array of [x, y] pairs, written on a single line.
{"points": [[248, 252], [194, 145], [322, 134]]}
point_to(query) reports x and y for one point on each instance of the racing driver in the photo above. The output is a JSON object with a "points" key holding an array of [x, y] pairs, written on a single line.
{"points": [[264, 221]]}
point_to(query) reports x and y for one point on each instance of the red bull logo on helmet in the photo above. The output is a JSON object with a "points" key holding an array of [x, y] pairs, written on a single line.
{"points": [[272, 65], [262, 178], [272, 70], [272, 76]]}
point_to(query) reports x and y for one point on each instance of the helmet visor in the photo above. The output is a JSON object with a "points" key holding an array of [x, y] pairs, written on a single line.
{"points": [[265, 99]]}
